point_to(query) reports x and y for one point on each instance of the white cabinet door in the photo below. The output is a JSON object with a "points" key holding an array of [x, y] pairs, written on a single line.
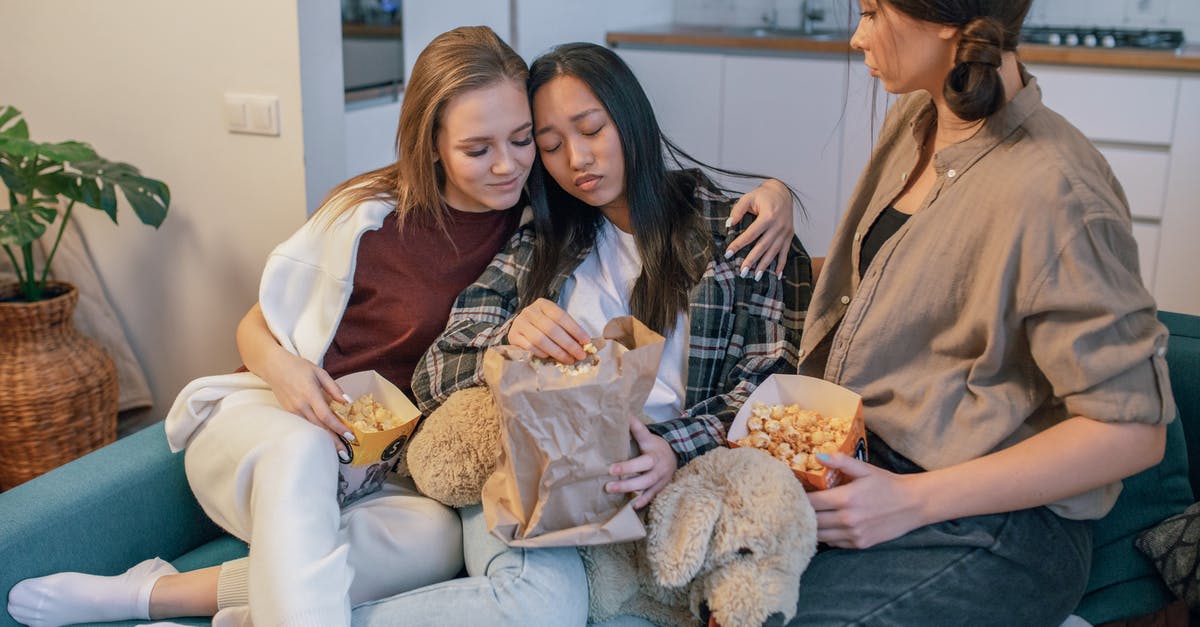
{"points": [[1177, 272], [685, 90], [781, 119], [1111, 105], [1146, 235]]}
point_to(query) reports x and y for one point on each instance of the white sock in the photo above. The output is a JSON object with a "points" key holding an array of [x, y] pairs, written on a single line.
{"points": [[69, 598]]}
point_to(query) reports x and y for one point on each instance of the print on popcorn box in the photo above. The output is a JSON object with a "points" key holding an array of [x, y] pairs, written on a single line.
{"points": [[371, 451], [828, 399]]}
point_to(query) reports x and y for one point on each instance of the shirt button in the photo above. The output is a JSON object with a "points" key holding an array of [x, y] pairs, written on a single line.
{"points": [[845, 300], [1162, 351], [951, 174], [857, 236], [903, 176], [801, 353]]}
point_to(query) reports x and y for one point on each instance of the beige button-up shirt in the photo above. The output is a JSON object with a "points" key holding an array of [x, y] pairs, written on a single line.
{"points": [[1009, 302]]}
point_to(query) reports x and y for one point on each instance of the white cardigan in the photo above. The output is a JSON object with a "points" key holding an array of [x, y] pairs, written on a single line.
{"points": [[305, 287]]}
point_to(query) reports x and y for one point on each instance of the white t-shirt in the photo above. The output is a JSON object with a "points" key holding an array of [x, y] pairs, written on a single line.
{"points": [[599, 291]]}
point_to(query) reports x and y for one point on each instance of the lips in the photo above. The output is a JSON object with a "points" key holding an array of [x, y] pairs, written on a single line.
{"points": [[507, 185], [587, 182]]}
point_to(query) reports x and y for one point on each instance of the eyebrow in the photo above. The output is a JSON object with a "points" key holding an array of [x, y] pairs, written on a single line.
{"points": [[575, 118], [488, 138]]}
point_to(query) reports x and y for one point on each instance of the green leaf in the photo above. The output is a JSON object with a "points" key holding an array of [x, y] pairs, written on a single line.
{"points": [[20, 226], [19, 147], [11, 123], [68, 151], [11, 179], [149, 197]]}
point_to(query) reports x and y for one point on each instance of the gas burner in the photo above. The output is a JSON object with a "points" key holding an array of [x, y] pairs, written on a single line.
{"points": [[1098, 37]]}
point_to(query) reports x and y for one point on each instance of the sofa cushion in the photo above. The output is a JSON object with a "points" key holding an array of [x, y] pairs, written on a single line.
{"points": [[222, 549], [1174, 547]]}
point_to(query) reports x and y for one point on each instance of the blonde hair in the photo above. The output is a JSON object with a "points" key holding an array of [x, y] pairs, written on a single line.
{"points": [[455, 62]]}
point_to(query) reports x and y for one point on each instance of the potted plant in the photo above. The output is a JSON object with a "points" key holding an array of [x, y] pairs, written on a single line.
{"points": [[58, 388]]}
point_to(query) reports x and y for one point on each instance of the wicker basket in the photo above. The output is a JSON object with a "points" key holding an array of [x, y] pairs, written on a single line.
{"points": [[58, 388]]}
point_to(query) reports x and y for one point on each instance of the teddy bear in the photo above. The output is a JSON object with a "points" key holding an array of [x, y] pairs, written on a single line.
{"points": [[732, 532]]}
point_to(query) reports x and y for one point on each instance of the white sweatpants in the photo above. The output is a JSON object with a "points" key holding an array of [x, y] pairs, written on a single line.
{"points": [[269, 477]]}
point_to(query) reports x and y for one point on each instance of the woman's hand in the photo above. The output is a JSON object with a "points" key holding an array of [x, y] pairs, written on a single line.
{"points": [[546, 330], [771, 232], [303, 388], [299, 385], [876, 506], [652, 470]]}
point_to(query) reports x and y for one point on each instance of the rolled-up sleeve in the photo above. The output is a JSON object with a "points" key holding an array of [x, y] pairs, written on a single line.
{"points": [[1093, 331]]}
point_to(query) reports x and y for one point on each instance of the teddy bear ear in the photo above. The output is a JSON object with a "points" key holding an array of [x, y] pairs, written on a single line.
{"points": [[682, 519]]}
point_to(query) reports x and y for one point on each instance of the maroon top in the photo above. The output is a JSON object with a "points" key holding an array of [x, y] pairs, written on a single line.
{"points": [[404, 285]]}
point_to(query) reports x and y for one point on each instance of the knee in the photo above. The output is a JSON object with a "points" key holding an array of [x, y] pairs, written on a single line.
{"points": [[548, 586], [305, 449]]}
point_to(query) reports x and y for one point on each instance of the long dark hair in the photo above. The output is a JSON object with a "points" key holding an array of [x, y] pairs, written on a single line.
{"points": [[668, 229], [973, 90]]}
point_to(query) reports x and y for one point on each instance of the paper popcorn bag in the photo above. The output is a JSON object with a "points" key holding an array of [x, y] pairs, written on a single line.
{"points": [[373, 451], [803, 432], [562, 427]]}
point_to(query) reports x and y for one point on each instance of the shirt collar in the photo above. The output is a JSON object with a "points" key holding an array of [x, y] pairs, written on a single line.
{"points": [[997, 128]]}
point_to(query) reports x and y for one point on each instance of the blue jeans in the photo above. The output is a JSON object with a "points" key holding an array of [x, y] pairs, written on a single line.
{"points": [[505, 586], [1023, 568]]}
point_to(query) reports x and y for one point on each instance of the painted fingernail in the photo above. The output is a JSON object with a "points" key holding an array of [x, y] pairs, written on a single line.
{"points": [[729, 222], [824, 457], [347, 397], [729, 253], [349, 436], [343, 455], [745, 272], [758, 276]]}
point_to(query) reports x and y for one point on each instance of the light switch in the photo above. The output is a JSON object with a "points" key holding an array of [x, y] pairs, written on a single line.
{"points": [[252, 113]]}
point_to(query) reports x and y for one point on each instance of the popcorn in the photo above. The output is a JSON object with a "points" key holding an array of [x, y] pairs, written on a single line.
{"points": [[794, 435], [580, 367], [365, 415]]}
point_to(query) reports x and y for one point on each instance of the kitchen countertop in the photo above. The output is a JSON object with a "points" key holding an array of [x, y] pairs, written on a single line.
{"points": [[783, 40]]}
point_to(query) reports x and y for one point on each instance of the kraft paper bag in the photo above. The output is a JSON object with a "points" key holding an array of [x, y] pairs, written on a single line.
{"points": [[373, 453], [561, 430]]}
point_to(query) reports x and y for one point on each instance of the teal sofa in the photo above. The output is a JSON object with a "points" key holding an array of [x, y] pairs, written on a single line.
{"points": [[130, 501]]}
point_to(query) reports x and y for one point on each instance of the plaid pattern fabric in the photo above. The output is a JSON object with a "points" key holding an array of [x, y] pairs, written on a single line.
{"points": [[740, 330]]}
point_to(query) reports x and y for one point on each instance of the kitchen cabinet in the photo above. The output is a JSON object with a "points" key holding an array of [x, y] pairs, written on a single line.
{"points": [[778, 116], [1147, 125], [686, 91], [781, 118]]}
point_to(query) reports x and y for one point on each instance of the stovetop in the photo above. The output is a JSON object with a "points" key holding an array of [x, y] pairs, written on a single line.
{"points": [[1099, 37]]}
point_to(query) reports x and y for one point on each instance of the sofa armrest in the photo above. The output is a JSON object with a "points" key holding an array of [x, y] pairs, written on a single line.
{"points": [[101, 513]]}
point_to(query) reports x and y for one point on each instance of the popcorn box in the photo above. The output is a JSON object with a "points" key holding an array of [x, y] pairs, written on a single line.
{"points": [[372, 453], [829, 399]]}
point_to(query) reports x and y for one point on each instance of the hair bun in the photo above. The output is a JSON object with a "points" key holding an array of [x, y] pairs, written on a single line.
{"points": [[974, 89], [982, 41]]}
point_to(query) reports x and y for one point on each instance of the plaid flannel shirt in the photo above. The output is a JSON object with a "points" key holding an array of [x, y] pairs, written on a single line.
{"points": [[741, 330]]}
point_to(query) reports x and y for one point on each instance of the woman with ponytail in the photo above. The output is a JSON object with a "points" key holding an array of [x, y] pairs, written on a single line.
{"points": [[982, 295]]}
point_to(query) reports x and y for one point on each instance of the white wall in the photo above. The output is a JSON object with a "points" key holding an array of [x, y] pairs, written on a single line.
{"points": [[142, 81]]}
